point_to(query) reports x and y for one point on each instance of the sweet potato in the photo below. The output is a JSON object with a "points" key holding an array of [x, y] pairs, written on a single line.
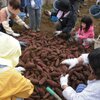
{"points": [[42, 81], [52, 83]]}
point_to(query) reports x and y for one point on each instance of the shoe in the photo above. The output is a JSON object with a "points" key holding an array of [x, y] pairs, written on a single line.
{"points": [[16, 34], [47, 13], [38, 30], [34, 31]]}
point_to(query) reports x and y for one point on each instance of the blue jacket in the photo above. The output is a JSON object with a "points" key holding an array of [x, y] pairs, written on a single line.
{"points": [[38, 3]]}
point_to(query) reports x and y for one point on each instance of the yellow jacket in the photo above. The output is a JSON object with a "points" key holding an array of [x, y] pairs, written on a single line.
{"points": [[13, 85]]}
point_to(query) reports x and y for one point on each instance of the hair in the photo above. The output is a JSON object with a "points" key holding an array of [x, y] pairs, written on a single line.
{"points": [[88, 21], [94, 61], [15, 4]]}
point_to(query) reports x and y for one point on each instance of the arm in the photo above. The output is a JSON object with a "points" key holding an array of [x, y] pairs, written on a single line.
{"points": [[21, 22], [83, 59], [5, 22], [70, 24]]}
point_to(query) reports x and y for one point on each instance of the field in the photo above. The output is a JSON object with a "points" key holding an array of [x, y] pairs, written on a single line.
{"points": [[44, 53]]}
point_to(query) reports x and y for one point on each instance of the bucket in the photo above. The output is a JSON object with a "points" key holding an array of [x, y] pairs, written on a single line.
{"points": [[95, 11], [97, 42]]}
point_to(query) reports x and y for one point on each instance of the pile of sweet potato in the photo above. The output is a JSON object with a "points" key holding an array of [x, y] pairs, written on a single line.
{"points": [[42, 58]]}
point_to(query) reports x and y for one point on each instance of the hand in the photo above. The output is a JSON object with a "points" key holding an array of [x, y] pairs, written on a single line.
{"points": [[57, 33], [64, 80], [26, 26], [20, 69], [32, 3], [71, 62], [15, 34]]}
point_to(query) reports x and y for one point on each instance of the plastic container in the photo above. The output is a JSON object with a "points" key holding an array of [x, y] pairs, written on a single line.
{"points": [[95, 11]]}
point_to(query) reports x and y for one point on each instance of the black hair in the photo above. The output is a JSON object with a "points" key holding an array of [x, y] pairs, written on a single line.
{"points": [[88, 21], [94, 61], [15, 4]]}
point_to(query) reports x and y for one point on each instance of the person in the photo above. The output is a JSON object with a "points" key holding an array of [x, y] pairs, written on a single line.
{"points": [[92, 91], [66, 19], [34, 9], [9, 13], [85, 34], [13, 83]]}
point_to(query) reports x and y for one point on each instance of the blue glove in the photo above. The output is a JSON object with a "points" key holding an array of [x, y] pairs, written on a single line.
{"points": [[54, 18], [80, 88]]}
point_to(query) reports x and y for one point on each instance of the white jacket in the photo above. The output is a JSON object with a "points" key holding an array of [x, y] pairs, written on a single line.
{"points": [[91, 92]]}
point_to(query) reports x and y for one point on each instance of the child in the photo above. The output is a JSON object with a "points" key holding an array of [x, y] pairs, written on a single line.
{"points": [[92, 91], [12, 84], [66, 18], [7, 14], [85, 34], [34, 10]]}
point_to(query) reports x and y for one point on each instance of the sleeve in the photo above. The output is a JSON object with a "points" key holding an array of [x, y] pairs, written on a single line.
{"points": [[22, 87], [19, 21], [70, 94], [85, 58], [88, 34], [7, 28], [69, 25]]}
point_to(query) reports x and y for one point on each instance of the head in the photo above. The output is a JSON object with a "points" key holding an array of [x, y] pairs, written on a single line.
{"points": [[10, 50], [14, 7], [94, 61], [86, 22], [63, 5]]}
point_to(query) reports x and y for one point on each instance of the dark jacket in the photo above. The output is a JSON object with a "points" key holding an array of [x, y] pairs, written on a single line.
{"points": [[67, 23]]}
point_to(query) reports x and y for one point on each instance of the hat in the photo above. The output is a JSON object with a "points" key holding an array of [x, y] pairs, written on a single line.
{"points": [[63, 5], [10, 50]]}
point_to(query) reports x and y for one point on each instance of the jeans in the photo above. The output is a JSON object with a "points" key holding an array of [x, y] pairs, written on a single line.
{"points": [[34, 18]]}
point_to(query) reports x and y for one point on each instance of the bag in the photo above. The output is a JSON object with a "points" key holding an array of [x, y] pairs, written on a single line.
{"points": [[97, 42]]}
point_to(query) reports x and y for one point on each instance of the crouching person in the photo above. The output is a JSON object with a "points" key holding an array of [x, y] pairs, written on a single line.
{"points": [[92, 91], [66, 19], [13, 85], [8, 14]]}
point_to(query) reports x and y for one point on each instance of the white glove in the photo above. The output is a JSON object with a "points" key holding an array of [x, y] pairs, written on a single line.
{"points": [[15, 34], [20, 69], [64, 80], [56, 33], [71, 62], [85, 58], [26, 26], [32, 3], [97, 2]]}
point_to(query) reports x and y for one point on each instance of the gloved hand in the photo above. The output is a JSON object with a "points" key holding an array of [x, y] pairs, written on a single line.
{"points": [[23, 44], [56, 33], [15, 34], [54, 18], [32, 3], [20, 69], [26, 26], [71, 62], [64, 80]]}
